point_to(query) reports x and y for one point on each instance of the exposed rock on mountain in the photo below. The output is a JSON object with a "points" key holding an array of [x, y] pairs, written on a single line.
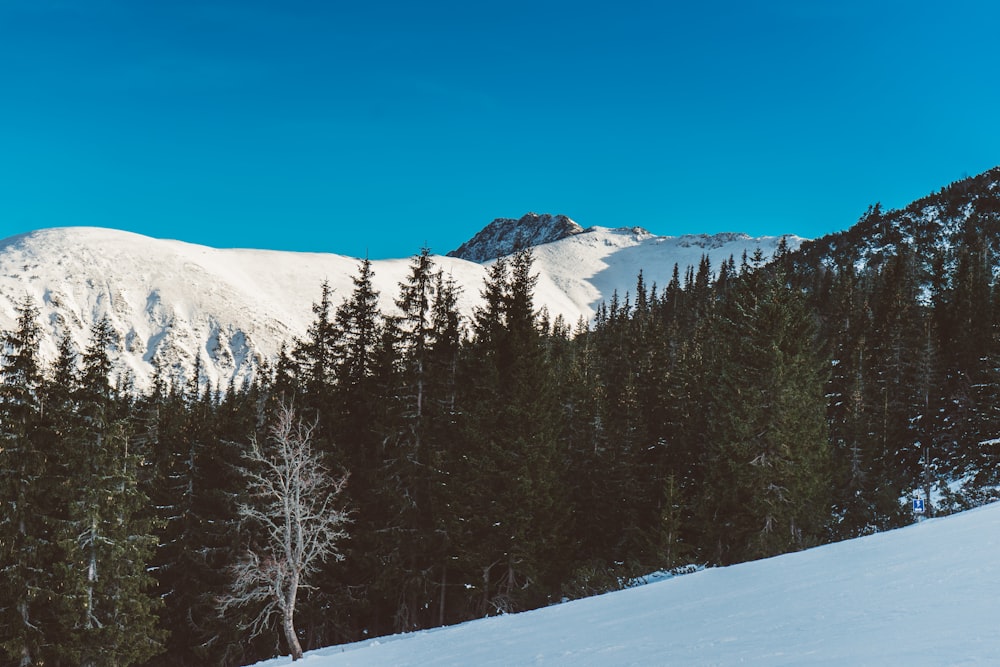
{"points": [[505, 235]]}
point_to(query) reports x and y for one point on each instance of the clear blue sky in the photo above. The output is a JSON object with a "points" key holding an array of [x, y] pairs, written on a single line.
{"points": [[376, 127]]}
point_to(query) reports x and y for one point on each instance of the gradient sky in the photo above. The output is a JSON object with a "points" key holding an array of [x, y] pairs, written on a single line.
{"points": [[378, 127]]}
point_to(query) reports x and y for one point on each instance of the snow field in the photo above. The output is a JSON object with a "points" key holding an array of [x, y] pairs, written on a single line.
{"points": [[924, 595]]}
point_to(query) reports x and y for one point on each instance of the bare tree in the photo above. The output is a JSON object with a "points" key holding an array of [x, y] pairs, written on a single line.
{"points": [[293, 499]]}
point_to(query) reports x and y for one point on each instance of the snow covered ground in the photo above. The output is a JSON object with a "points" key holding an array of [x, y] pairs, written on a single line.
{"points": [[927, 594]]}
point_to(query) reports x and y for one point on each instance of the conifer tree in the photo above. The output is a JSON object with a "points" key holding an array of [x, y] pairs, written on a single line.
{"points": [[359, 324], [193, 488], [765, 444], [443, 413], [164, 482], [623, 435], [577, 366], [108, 544], [27, 488], [895, 348], [860, 505], [407, 540], [965, 321], [356, 427], [512, 526], [316, 354]]}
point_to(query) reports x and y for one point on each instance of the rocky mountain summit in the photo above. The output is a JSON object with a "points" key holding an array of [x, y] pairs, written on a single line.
{"points": [[505, 235]]}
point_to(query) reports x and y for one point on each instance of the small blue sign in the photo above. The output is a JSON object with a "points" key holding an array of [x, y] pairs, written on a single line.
{"points": [[918, 505]]}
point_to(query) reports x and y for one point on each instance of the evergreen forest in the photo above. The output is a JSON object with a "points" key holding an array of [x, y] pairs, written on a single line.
{"points": [[497, 463]]}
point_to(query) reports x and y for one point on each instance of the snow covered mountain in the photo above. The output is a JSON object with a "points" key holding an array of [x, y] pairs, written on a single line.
{"points": [[920, 595], [235, 308]]}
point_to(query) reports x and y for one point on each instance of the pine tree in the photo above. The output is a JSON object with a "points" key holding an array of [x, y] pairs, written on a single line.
{"points": [[595, 507], [192, 484], [163, 481], [27, 485], [408, 541], [359, 324], [862, 503], [509, 532], [622, 439], [442, 435], [355, 422], [969, 354], [765, 445], [109, 544], [895, 350], [316, 355], [213, 431]]}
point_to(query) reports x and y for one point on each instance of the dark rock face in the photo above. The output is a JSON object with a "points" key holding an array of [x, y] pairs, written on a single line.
{"points": [[505, 235]]}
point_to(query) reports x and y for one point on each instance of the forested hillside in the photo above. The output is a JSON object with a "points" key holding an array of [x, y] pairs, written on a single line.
{"points": [[907, 302], [509, 460]]}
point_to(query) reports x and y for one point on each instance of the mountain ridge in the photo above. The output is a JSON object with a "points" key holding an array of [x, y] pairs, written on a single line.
{"points": [[175, 302], [931, 227]]}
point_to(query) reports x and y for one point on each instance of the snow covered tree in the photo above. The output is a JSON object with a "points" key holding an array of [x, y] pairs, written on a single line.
{"points": [[293, 503]]}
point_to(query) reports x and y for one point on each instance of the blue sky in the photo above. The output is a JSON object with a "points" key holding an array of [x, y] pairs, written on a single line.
{"points": [[377, 127]]}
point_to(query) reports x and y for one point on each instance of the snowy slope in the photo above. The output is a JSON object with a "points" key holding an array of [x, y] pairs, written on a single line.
{"points": [[234, 308], [178, 300], [589, 267], [923, 595]]}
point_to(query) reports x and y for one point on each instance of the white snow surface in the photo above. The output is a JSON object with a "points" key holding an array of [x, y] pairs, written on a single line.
{"points": [[923, 595], [235, 308]]}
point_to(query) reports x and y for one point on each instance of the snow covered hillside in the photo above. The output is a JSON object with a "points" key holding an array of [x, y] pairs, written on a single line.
{"points": [[175, 300], [234, 308], [922, 595]]}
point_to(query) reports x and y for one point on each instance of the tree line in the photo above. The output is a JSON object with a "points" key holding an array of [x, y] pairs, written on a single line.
{"points": [[495, 464]]}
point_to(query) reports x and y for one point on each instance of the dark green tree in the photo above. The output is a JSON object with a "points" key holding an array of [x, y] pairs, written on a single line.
{"points": [[511, 529], [409, 543], [108, 545], [316, 355], [27, 487], [765, 447]]}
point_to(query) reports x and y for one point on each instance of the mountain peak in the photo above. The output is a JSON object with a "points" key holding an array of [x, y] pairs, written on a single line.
{"points": [[505, 235]]}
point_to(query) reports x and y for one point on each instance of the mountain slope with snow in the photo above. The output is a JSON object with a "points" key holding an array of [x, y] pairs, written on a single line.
{"points": [[176, 301], [589, 267], [921, 595]]}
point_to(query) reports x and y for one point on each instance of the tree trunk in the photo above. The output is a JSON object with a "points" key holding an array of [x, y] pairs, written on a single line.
{"points": [[293, 641], [288, 615], [444, 584]]}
